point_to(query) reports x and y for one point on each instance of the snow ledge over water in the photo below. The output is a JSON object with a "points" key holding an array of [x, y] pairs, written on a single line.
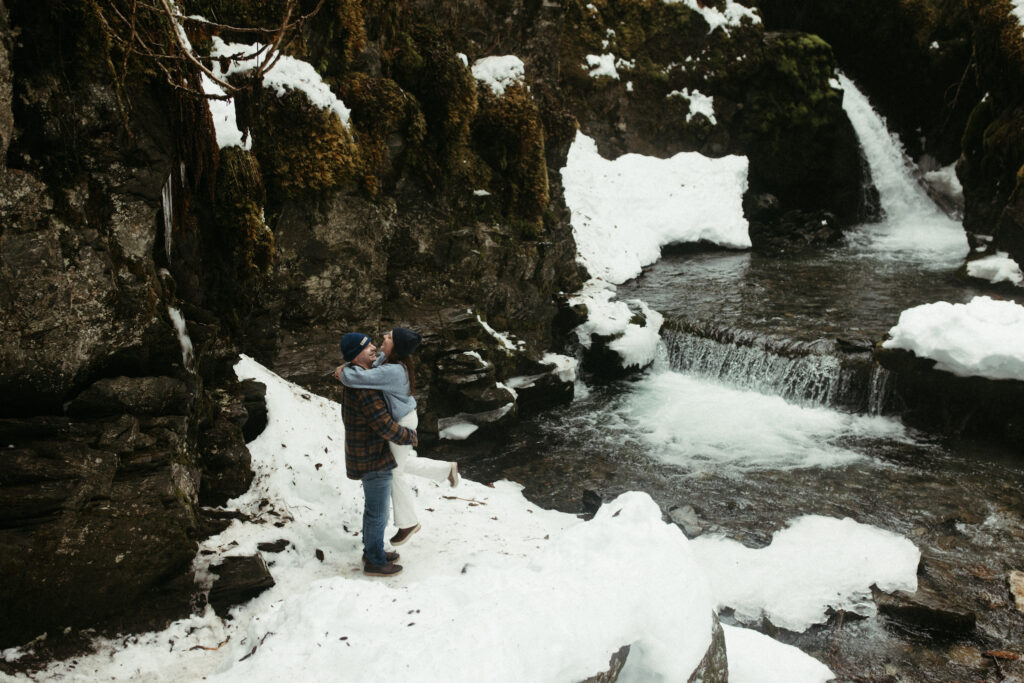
{"points": [[981, 338]]}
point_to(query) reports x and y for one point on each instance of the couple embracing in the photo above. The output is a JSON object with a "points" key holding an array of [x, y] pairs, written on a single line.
{"points": [[379, 413]]}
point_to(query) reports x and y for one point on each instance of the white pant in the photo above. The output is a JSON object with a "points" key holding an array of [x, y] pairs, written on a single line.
{"points": [[402, 498]]}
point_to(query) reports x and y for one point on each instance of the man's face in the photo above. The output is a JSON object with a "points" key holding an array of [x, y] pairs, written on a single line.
{"points": [[366, 356]]}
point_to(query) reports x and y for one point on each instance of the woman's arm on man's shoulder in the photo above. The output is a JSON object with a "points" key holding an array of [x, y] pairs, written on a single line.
{"points": [[387, 377]]}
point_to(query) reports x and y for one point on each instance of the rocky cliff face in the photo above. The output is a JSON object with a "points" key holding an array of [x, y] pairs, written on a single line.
{"points": [[124, 226]]}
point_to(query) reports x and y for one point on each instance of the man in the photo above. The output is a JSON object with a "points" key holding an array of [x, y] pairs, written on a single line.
{"points": [[368, 428]]}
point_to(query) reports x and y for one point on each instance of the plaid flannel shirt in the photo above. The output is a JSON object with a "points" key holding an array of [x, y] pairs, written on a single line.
{"points": [[368, 429]]}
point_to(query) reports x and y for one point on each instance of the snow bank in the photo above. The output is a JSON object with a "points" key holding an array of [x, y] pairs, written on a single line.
{"points": [[998, 267], [625, 210], [816, 563], [493, 589], [1018, 11], [756, 658], [980, 338]]}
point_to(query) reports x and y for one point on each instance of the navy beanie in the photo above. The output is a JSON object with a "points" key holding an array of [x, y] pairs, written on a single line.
{"points": [[352, 344], [406, 341]]}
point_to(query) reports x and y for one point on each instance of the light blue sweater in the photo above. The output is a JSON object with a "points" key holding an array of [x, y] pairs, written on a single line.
{"points": [[390, 378]]}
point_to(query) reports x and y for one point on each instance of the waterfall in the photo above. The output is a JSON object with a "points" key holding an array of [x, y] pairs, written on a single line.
{"points": [[187, 355], [797, 371], [914, 226]]}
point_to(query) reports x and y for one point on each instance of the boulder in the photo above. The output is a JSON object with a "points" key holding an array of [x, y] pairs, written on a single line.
{"points": [[941, 401], [137, 395], [98, 519], [239, 579], [925, 610]]}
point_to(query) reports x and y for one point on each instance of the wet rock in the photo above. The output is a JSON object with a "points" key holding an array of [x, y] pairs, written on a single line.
{"points": [[615, 665], [795, 231], [278, 546], [925, 610], [686, 518], [6, 115], [1016, 582], [226, 463], [714, 667], [550, 385], [239, 579], [254, 399], [601, 360], [76, 499], [138, 395], [958, 406]]}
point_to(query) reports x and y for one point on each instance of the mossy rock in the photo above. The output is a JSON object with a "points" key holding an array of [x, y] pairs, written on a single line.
{"points": [[508, 134], [426, 64], [387, 123], [999, 48], [792, 125], [303, 149], [241, 231]]}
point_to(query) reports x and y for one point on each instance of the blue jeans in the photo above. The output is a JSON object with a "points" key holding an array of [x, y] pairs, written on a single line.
{"points": [[377, 495]]}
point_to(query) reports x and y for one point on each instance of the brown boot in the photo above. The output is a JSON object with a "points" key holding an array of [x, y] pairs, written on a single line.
{"points": [[403, 534], [389, 569], [391, 557]]}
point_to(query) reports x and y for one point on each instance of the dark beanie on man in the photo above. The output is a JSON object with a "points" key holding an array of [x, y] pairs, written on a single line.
{"points": [[352, 344], [406, 341]]}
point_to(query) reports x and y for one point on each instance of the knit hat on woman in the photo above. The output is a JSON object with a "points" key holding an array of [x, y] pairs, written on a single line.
{"points": [[406, 341]]}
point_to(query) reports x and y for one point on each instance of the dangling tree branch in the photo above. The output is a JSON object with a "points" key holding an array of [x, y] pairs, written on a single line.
{"points": [[153, 31]]}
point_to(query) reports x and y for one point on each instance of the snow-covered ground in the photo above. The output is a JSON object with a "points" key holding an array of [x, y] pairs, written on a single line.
{"points": [[494, 588]]}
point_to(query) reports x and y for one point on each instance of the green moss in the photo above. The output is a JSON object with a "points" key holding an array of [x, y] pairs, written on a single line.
{"points": [[380, 108], [426, 65], [799, 68], [509, 137], [301, 148], [241, 233]]}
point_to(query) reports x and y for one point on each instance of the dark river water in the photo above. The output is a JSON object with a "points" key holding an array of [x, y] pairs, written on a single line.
{"points": [[748, 461]]}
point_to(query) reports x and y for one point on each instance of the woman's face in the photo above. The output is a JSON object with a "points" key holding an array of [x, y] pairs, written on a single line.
{"points": [[388, 345]]}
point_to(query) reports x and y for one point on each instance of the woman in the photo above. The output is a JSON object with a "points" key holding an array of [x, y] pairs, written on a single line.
{"points": [[394, 375]]}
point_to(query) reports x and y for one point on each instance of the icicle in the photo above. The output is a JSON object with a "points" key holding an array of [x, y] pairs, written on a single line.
{"points": [[187, 355], [167, 197]]}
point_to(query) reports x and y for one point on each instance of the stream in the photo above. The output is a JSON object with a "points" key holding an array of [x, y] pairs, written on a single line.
{"points": [[763, 406]]}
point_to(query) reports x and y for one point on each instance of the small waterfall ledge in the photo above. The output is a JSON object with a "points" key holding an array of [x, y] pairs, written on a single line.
{"points": [[809, 373]]}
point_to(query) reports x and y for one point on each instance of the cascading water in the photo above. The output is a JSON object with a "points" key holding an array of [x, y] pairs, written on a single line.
{"points": [[187, 353], [798, 373], [737, 420], [913, 226]]}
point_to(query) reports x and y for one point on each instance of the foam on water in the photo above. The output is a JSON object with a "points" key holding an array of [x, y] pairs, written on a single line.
{"points": [[697, 423]]}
